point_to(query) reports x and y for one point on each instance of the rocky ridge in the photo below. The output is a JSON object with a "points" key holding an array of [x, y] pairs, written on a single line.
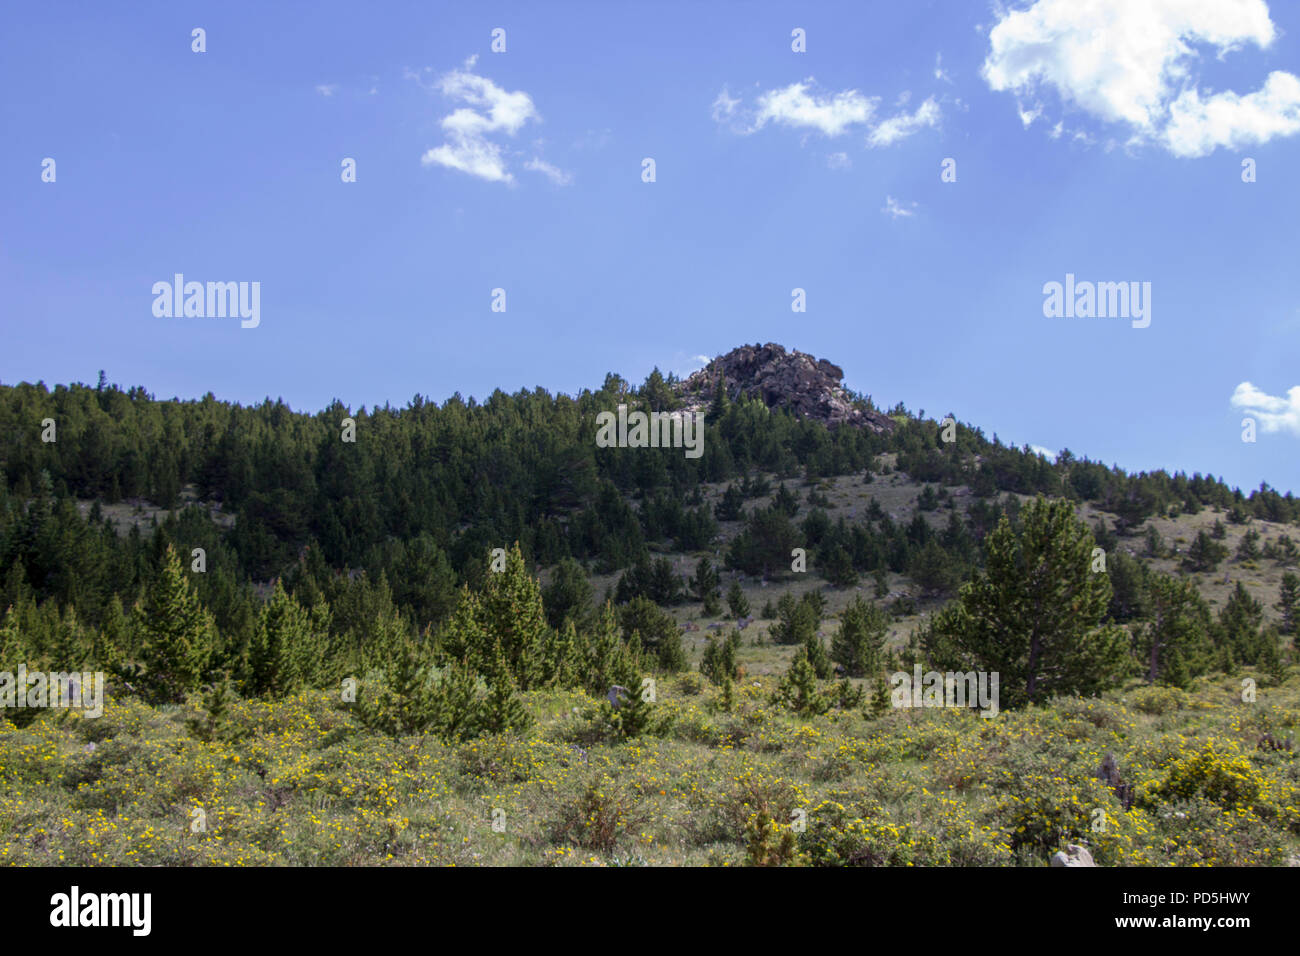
{"points": [[808, 386]]}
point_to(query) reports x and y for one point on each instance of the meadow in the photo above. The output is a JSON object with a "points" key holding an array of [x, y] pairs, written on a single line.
{"points": [[1204, 779]]}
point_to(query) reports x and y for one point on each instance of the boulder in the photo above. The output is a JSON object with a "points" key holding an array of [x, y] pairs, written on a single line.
{"points": [[1073, 855]]}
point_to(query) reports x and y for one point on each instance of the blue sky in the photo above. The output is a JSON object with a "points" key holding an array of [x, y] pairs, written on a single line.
{"points": [[1094, 139]]}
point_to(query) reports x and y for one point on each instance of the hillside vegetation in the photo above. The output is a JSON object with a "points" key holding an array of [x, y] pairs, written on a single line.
{"points": [[470, 635]]}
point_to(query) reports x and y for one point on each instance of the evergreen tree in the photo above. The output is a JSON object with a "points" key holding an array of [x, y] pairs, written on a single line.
{"points": [[736, 600], [705, 586], [1155, 544], [1288, 602], [721, 402], [568, 596], [815, 651], [858, 645], [178, 634], [1248, 547], [501, 711], [796, 621], [285, 650], [1035, 614], [1239, 626], [512, 613], [880, 700], [785, 501], [764, 545], [798, 688], [932, 569], [719, 661], [1130, 597], [401, 698], [837, 568], [1205, 553], [731, 506], [1174, 644]]}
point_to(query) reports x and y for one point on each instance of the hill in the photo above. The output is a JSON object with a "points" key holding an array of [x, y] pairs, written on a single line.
{"points": [[483, 578]]}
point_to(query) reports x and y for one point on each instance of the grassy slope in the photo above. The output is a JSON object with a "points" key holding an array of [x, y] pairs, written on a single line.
{"points": [[298, 782]]}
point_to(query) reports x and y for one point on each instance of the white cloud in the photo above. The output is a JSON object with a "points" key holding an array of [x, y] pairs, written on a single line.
{"points": [[904, 125], [553, 173], [724, 106], [829, 115], [838, 161], [939, 72], [1045, 452], [491, 110], [1273, 413], [327, 89], [802, 106], [895, 209], [1197, 126], [1129, 62]]}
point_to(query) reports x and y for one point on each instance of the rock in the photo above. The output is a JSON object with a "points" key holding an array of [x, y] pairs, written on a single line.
{"points": [[807, 386], [1074, 855], [616, 695]]}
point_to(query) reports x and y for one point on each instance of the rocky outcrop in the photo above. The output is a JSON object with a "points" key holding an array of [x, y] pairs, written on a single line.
{"points": [[809, 387]]}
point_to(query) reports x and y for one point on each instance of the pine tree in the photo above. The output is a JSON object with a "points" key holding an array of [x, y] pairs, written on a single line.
{"points": [[705, 587], [736, 601], [858, 644], [815, 651], [719, 661], [284, 646], [880, 700], [798, 688], [512, 613], [1155, 545], [1248, 547], [785, 501], [569, 595], [731, 506], [212, 722], [635, 713], [501, 710], [726, 701], [796, 620], [1239, 626], [933, 570], [837, 568], [1174, 644], [1205, 553], [465, 636], [603, 655], [178, 634], [1270, 657], [721, 402], [1288, 602], [401, 699], [1035, 614]]}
